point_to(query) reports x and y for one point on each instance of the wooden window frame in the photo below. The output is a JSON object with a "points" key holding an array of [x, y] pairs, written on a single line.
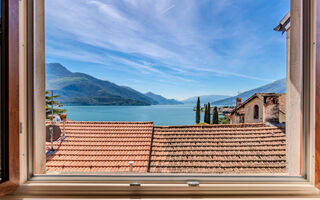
{"points": [[4, 168], [316, 45], [11, 23], [52, 185]]}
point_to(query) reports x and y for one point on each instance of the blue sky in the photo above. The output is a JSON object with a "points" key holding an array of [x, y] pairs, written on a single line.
{"points": [[175, 48]]}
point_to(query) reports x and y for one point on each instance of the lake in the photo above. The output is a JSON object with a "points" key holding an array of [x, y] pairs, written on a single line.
{"points": [[159, 114]]}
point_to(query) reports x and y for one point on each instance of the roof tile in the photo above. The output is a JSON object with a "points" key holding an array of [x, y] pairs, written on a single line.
{"points": [[219, 149], [102, 147], [92, 147]]}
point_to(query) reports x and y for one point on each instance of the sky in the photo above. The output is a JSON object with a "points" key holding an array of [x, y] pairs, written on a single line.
{"points": [[175, 48]]}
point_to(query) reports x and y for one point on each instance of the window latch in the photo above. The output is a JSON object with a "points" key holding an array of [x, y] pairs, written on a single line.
{"points": [[193, 183]]}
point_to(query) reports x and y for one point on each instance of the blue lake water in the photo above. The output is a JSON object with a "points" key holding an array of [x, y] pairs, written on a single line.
{"points": [[159, 114]]}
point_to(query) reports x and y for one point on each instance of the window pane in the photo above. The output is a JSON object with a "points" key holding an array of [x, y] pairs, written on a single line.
{"points": [[179, 87]]}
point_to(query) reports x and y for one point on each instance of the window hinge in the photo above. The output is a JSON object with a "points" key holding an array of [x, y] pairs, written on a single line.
{"points": [[193, 183], [20, 127]]}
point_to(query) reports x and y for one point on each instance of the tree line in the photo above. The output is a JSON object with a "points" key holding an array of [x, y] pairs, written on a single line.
{"points": [[207, 114]]}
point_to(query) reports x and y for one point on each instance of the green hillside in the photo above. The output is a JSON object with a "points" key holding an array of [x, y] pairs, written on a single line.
{"points": [[83, 89]]}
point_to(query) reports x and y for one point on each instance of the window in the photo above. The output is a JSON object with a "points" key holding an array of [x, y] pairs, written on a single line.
{"points": [[160, 140], [256, 112], [103, 119]]}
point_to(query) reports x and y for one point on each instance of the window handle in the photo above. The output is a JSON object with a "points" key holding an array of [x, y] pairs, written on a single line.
{"points": [[135, 184], [193, 183]]}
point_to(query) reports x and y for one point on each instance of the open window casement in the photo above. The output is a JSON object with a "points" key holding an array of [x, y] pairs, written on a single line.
{"points": [[301, 170], [9, 144]]}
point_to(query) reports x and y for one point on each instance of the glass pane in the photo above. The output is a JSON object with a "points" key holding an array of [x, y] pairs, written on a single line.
{"points": [[179, 87]]}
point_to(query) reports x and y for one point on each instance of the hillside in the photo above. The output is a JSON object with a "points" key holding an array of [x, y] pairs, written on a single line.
{"points": [[161, 100], [83, 89], [278, 86], [204, 99]]}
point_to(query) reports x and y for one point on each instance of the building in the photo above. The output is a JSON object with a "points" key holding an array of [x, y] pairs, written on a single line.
{"points": [[260, 108], [141, 147]]}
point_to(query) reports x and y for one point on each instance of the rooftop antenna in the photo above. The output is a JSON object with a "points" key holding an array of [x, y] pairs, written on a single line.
{"points": [[52, 107], [53, 131], [51, 128]]}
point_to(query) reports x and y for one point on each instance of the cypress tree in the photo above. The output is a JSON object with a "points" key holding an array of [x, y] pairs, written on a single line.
{"points": [[198, 111], [209, 114], [205, 113], [215, 116]]}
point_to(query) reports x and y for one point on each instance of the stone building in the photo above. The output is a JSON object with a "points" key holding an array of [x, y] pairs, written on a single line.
{"points": [[260, 108]]}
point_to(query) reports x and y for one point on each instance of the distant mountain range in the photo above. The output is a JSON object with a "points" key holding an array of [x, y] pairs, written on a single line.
{"points": [[278, 86], [83, 89], [204, 99], [161, 100]]}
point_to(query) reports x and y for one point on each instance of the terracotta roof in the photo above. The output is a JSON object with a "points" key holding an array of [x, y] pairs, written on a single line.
{"points": [[102, 147], [219, 149], [216, 149]]}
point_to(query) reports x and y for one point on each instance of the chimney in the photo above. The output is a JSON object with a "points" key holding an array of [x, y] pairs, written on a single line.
{"points": [[238, 101], [63, 117], [130, 166]]}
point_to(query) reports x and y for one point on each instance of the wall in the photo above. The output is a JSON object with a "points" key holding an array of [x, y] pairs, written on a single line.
{"points": [[249, 111], [235, 119], [282, 108], [271, 109]]}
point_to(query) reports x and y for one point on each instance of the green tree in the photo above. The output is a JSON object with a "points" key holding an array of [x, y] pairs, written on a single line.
{"points": [[224, 120], [209, 114], [50, 100], [205, 113], [215, 116], [198, 111]]}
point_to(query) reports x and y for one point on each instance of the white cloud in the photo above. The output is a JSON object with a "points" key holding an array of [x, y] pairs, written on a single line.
{"points": [[167, 31], [108, 10]]}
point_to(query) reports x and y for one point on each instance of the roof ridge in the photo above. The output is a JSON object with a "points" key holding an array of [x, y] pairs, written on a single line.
{"points": [[215, 125]]}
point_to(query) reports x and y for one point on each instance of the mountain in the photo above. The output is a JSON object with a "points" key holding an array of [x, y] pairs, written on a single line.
{"points": [[278, 86], [82, 89], [161, 100], [204, 99]]}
